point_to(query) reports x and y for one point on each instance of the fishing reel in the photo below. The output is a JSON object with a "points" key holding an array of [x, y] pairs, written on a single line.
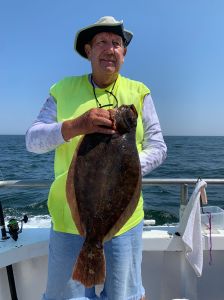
{"points": [[13, 227]]}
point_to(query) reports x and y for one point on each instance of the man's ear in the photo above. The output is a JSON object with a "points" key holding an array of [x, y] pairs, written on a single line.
{"points": [[124, 53], [87, 48]]}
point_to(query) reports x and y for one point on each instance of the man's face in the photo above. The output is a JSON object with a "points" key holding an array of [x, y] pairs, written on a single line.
{"points": [[106, 53]]}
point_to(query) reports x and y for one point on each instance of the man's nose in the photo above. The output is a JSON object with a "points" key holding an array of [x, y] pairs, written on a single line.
{"points": [[110, 47]]}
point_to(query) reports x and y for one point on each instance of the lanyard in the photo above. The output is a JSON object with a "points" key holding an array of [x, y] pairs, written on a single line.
{"points": [[109, 92]]}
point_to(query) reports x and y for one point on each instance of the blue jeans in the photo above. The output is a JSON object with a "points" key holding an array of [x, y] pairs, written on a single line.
{"points": [[123, 267]]}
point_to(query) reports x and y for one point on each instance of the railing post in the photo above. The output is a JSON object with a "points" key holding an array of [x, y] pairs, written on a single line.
{"points": [[183, 199]]}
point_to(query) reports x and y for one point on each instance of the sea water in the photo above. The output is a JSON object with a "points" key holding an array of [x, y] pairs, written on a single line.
{"points": [[187, 157]]}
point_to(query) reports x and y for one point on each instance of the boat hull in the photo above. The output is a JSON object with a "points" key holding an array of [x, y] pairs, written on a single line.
{"points": [[166, 273]]}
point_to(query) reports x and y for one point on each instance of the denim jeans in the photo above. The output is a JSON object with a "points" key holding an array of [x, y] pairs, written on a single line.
{"points": [[123, 267]]}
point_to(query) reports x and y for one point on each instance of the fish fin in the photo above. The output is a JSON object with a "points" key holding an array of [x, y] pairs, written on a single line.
{"points": [[90, 265], [71, 198]]}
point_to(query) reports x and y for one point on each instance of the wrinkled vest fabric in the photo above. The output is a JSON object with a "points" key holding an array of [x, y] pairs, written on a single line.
{"points": [[74, 96]]}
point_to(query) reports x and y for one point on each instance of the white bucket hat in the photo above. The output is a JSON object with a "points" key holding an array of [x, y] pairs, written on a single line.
{"points": [[104, 24]]}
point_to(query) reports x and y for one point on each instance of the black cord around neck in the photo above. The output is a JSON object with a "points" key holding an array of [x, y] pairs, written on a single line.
{"points": [[109, 92]]}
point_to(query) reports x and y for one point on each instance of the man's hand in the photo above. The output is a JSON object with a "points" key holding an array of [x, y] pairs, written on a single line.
{"points": [[94, 120]]}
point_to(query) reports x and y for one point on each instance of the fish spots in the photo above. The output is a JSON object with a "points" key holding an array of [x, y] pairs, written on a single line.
{"points": [[105, 171], [90, 255]]}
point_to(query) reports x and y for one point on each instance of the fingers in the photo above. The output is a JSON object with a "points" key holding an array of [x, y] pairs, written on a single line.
{"points": [[112, 117], [100, 113], [104, 130], [98, 120], [102, 121], [95, 120]]}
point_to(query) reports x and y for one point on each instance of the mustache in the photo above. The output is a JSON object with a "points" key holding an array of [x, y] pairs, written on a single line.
{"points": [[110, 57]]}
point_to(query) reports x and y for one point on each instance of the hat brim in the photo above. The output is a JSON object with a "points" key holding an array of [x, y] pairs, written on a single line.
{"points": [[85, 35]]}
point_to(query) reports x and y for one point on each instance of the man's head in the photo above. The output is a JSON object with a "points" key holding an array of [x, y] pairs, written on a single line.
{"points": [[104, 24], [106, 52]]}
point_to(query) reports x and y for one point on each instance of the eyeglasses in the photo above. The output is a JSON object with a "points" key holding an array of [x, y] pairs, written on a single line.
{"points": [[109, 92]]}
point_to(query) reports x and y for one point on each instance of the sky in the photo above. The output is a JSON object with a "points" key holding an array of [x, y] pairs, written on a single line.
{"points": [[177, 51]]}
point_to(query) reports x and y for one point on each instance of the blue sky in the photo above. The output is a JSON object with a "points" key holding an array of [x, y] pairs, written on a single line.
{"points": [[177, 51]]}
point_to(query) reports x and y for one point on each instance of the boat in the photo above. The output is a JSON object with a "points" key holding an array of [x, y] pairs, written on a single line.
{"points": [[167, 275]]}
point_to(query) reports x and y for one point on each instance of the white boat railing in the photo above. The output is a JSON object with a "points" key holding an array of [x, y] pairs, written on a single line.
{"points": [[184, 183]]}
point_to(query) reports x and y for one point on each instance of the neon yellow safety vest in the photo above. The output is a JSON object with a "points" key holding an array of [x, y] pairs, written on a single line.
{"points": [[74, 96]]}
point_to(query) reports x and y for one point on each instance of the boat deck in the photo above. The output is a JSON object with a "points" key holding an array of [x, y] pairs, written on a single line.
{"points": [[166, 273]]}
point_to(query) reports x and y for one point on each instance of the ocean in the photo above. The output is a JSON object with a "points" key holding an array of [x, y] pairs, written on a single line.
{"points": [[188, 157]]}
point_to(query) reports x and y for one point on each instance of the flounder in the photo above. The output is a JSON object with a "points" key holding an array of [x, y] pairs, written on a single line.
{"points": [[103, 189]]}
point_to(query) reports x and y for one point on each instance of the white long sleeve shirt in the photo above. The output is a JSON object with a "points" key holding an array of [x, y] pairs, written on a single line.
{"points": [[45, 134]]}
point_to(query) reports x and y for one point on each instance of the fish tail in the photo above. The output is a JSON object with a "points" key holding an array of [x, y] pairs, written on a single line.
{"points": [[90, 265]]}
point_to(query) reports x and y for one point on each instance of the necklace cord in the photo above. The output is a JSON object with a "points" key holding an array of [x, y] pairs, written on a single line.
{"points": [[109, 92]]}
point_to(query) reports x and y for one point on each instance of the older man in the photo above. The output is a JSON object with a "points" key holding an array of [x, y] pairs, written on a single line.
{"points": [[79, 105]]}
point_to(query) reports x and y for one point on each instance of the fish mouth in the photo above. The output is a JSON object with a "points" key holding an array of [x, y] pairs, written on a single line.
{"points": [[125, 118], [132, 107], [126, 122], [127, 126]]}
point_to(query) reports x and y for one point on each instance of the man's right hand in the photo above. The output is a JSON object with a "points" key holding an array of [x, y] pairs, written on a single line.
{"points": [[94, 120]]}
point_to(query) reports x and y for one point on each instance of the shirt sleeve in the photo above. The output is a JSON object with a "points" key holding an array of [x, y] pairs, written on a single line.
{"points": [[45, 134], [153, 148]]}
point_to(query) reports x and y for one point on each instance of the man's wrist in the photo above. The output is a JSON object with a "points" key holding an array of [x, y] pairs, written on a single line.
{"points": [[67, 130]]}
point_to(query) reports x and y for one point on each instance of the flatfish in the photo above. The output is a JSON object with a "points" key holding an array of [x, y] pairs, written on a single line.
{"points": [[103, 188]]}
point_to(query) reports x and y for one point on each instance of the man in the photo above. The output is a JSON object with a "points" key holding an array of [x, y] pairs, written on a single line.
{"points": [[79, 105]]}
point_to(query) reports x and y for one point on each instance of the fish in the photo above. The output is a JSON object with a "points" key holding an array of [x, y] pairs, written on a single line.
{"points": [[103, 188]]}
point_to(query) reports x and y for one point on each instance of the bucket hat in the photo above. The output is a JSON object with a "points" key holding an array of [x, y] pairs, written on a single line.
{"points": [[104, 24]]}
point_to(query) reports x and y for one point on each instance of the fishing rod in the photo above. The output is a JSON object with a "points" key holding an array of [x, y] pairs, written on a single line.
{"points": [[14, 231]]}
